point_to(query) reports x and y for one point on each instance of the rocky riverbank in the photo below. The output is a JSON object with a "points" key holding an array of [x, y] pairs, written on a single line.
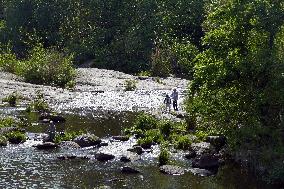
{"points": [[99, 89]]}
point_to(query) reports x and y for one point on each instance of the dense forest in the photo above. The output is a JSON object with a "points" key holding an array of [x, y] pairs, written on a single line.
{"points": [[232, 50]]}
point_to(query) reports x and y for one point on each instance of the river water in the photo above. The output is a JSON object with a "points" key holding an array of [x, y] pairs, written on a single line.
{"points": [[23, 166]]}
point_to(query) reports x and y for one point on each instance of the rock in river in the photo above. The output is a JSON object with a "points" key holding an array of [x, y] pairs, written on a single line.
{"points": [[129, 170], [136, 149], [69, 145], [46, 146], [206, 161], [121, 138], [87, 140], [172, 170], [104, 157]]}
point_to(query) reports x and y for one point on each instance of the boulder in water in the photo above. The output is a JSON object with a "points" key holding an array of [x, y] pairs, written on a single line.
{"points": [[46, 146], [121, 138], [87, 140], [217, 141], [200, 172], [69, 145], [172, 170], [104, 157], [129, 157], [206, 161], [129, 170], [203, 148], [136, 149]]}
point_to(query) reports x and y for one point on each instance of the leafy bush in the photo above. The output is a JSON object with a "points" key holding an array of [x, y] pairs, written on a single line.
{"points": [[154, 135], [48, 67], [130, 85], [7, 122], [145, 142], [12, 99], [16, 137], [38, 104], [145, 122], [164, 157], [67, 136], [3, 141], [166, 127], [183, 142]]}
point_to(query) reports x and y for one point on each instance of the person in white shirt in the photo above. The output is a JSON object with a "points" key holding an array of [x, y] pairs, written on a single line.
{"points": [[174, 96]]}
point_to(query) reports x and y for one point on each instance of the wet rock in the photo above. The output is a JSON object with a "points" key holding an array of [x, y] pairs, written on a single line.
{"points": [[87, 140], [203, 148], [103, 187], [143, 77], [121, 138], [172, 170], [104, 157], [206, 161], [129, 157], [46, 146], [200, 172], [136, 149], [217, 141], [69, 145], [146, 145], [103, 144], [51, 117], [68, 157], [190, 154], [129, 170]]}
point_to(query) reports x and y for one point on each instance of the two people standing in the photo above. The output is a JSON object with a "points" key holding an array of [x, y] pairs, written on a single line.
{"points": [[174, 97]]}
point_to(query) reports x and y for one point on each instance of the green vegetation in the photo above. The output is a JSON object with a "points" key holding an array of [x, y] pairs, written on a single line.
{"points": [[164, 157], [3, 141], [16, 137], [42, 66], [130, 85], [38, 104], [232, 50], [7, 122], [67, 136], [12, 99]]}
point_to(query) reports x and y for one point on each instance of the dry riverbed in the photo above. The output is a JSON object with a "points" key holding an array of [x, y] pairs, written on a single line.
{"points": [[99, 90]]}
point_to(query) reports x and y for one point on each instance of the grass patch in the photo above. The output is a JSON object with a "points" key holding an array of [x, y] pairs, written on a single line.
{"points": [[130, 85]]}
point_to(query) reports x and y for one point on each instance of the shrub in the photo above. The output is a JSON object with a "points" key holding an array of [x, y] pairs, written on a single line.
{"points": [[12, 99], [16, 137], [48, 67], [164, 157], [145, 122], [7, 122], [145, 142], [39, 104], [183, 142], [66, 136], [130, 85], [8, 60], [154, 135], [3, 141], [166, 128]]}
